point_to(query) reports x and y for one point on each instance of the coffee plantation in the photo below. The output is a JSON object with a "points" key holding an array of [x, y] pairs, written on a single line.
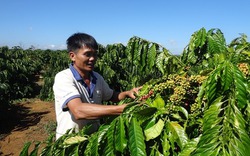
{"points": [[195, 103]]}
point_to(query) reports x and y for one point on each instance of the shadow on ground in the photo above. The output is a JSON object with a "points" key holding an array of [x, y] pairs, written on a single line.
{"points": [[17, 117]]}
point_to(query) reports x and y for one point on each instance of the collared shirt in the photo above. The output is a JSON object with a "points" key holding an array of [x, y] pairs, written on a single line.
{"points": [[79, 79], [68, 85]]}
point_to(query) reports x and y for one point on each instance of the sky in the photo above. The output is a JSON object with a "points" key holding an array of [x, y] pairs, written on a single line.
{"points": [[46, 24]]}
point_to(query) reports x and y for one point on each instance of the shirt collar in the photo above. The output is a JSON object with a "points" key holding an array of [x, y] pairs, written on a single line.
{"points": [[78, 77]]}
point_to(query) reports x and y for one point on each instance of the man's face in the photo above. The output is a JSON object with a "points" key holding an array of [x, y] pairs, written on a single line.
{"points": [[84, 60]]}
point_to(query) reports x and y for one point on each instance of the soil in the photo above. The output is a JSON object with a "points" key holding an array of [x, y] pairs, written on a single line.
{"points": [[27, 121]]}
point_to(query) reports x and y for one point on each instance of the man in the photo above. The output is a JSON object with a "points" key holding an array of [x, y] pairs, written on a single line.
{"points": [[79, 91]]}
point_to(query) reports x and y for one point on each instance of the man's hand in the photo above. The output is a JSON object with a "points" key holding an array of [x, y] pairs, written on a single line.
{"points": [[118, 96], [133, 92]]}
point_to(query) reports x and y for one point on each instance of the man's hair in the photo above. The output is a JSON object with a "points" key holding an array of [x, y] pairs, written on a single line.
{"points": [[77, 40]]}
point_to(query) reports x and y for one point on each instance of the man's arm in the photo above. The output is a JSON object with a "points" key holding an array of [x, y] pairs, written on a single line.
{"points": [[92, 111]]}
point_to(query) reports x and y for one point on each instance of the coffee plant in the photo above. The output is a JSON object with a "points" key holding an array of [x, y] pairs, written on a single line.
{"points": [[19, 70], [193, 104]]}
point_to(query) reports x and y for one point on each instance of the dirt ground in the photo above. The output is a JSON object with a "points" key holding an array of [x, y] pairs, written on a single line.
{"points": [[28, 121]]}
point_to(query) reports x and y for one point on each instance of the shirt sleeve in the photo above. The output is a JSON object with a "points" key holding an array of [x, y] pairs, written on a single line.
{"points": [[64, 89]]}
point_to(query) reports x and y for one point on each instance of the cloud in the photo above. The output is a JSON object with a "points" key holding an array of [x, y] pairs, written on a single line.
{"points": [[172, 42], [55, 47], [30, 28], [63, 46], [52, 46]]}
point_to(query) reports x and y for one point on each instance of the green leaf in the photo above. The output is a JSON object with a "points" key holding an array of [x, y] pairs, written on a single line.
{"points": [[95, 139], [227, 76], [140, 51], [160, 60], [183, 111], [246, 52], [154, 131], [130, 107], [149, 123], [155, 150], [120, 137], [109, 149], [92, 147], [216, 41], [144, 55], [241, 88], [71, 150], [165, 143], [48, 149], [25, 150], [151, 57], [137, 52], [130, 47], [207, 149], [189, 147], [158, 102], [136, 144], [194, 51], [211, 115], [34, 152], [192, 58], [201, 37], [145, 113], [212, 84], [224, 130], [178, 133]]}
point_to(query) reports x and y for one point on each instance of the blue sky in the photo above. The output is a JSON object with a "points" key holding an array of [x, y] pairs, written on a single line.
{"points": [[46, 24]]}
